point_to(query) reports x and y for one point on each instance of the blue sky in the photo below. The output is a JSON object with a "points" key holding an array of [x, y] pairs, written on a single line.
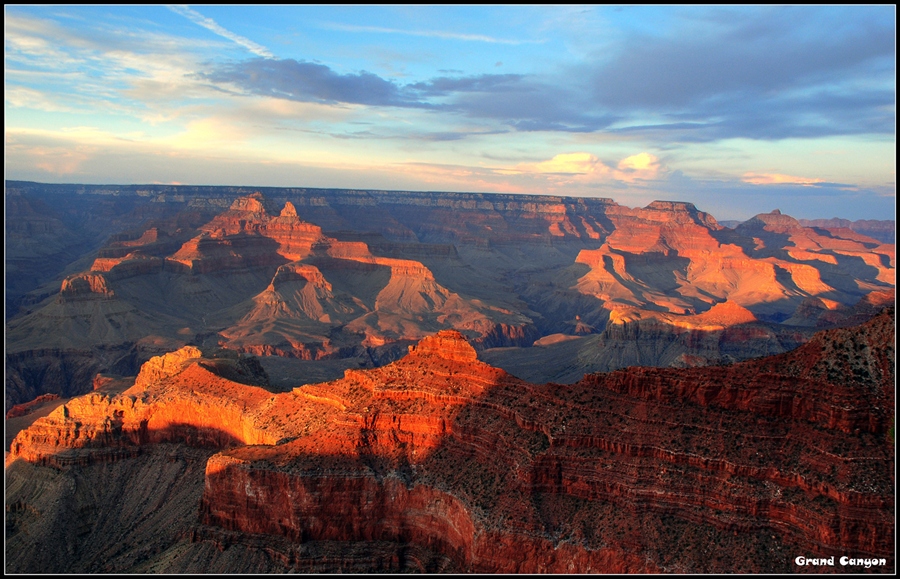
{"points": [[739, 110]]}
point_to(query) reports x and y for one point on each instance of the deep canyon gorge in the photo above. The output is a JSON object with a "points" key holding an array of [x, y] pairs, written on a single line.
{"points": [[215, 379]]}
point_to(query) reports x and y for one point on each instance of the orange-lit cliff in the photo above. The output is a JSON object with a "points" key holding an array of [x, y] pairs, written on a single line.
{"points": [[439, 462]]}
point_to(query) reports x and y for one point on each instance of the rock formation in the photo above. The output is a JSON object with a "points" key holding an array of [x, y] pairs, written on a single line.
{"points": [[881, 230], [27, 407], [439, 462]]}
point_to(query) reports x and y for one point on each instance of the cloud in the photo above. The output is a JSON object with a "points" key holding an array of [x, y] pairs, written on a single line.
{"points": [[529, 104], [642, 166], [212, 26], [101, 70], [22, 97], [758, 52], [484, 83], [514, 100], [428, 33], [639, 162], [762, 73], [584, 168], [778, 179], [307, 81], [572, 163]]}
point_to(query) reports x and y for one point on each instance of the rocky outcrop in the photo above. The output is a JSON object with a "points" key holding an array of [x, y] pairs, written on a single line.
{"points": [[85, 285], [669, 256], [247, 236], [474, 470], [27, 407], [132, 264], [161, 367], [447, 345], [853, 363], [200, 409]]}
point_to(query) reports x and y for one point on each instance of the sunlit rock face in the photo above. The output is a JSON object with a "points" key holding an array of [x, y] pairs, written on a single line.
{"points": [[85, 285], [675, 259], [465, 468]]}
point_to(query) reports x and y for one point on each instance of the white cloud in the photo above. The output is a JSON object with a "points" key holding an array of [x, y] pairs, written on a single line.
{"points": [[641, 166]]}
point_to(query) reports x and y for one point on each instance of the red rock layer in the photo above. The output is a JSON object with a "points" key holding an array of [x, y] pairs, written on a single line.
{"points": [[782, 455], [855, 365], [295, 316]]}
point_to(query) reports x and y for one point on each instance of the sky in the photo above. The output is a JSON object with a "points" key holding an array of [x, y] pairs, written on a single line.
{"points": [[739, 110]]}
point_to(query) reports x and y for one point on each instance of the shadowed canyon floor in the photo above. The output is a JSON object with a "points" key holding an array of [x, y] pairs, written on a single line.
{"points": [[439, 462], [102, 278]]}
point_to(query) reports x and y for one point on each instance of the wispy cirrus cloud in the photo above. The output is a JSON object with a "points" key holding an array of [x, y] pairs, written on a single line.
{"points": [[214, 27], [427, 33], [56, 68]]}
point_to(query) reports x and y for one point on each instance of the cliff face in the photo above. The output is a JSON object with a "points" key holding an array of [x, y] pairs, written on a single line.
{"points": [[439, 462]]}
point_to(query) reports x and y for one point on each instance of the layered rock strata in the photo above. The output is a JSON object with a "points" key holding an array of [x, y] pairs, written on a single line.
{"points": [[734, 468]]}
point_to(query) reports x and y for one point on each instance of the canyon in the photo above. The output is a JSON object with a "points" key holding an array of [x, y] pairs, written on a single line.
{"points": [[438, 462], [235, 379], [101, 278]]}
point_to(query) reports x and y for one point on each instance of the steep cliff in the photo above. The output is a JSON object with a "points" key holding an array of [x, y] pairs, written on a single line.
{"points": [[439, 462]]}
